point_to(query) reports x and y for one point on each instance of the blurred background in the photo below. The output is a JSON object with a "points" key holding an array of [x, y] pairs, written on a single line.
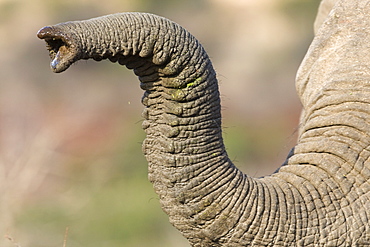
{"points": [[70, 143]]}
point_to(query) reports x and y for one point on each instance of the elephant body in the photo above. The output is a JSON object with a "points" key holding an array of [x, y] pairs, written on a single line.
{"points": [[320, 197]]}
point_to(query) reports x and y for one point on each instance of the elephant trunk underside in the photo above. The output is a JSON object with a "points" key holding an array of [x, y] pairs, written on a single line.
{"points": [[206, 197]]}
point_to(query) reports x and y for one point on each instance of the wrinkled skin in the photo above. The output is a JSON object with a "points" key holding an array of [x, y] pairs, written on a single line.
{"points": [[319, 197]]}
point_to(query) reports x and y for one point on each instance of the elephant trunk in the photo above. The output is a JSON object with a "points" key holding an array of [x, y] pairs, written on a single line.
{"points": [[188, 164], [206, 197]]}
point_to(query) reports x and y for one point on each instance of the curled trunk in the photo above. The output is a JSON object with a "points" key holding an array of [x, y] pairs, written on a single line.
{"points": [[318, 198]]}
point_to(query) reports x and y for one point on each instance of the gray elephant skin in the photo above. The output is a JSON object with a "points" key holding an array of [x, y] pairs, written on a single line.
{"points": [[319, 197]]}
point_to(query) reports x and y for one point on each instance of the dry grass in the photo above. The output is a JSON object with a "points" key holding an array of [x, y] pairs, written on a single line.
{"points": [[22, 176], [12, 240], [16, 244]]}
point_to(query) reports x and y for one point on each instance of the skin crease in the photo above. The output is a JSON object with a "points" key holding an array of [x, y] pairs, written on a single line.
{"points": [[319, 197]]}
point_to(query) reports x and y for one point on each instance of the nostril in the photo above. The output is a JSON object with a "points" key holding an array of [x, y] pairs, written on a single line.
{"points": [[54, 44], [54, 39], [61, 46]]}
